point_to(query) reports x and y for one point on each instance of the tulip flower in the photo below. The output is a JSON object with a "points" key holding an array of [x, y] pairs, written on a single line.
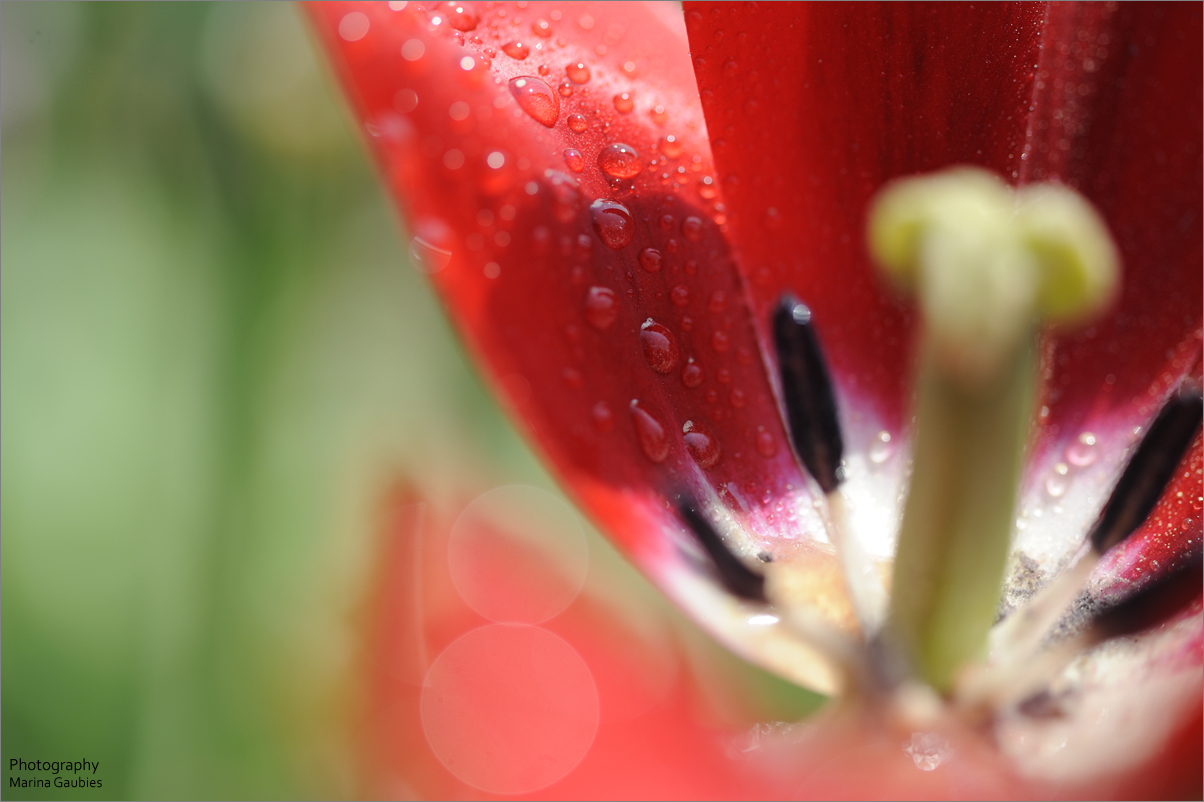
{"points": [[849, 407]]}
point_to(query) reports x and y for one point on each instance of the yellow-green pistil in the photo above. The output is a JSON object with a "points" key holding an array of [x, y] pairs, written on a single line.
{"points": [[987, 265]]}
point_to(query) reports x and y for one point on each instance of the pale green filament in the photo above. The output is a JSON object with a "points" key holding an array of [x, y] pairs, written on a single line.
{"points": [[987, 264]]}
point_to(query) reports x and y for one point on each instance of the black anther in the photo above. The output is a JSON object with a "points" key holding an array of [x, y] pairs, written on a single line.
{"points": [[810, 403], [1149, 470], [737, 577]]}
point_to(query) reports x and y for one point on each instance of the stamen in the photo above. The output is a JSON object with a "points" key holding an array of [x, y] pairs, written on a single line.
{"points": [[1149, 606], [736, 577], [810, 404], [815, 433], [1141, 484]]}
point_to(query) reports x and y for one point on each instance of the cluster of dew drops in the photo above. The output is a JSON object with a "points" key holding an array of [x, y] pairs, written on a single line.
{"points": [[618, 163]]}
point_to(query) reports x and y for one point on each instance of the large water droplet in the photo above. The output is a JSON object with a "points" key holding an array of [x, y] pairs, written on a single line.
{"points": [[691, 374], [691, 228], [659, 114], [613, 223], [767, 446], [574, 160], [618, 160], [577, 123], [566, 195], [1082, 452], [541, 28], [881, 449], [516, 50], [577, 72], [462, 17], [601, 307], [536, 98], [660, 346], [651, 260], [624, 102], [702, 447], [654, 442]]}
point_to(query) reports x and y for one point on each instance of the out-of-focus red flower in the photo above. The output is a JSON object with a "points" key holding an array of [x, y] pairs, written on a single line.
{"points": [[610, 225]]}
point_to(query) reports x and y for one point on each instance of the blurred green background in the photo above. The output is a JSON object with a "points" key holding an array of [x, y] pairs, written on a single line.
{"points": [[215, 357], [215, 361]]}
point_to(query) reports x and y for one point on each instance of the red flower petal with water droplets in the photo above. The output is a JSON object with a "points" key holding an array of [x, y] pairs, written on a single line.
{"points": [[616, 287], [604, 305]]}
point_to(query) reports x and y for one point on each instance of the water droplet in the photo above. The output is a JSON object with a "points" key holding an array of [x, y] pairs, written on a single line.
{"points": [[624, 102], [730, 67], [651, 260], [405, 101], [687, 322], [1056, 485], [618, 160], [565, 88], [707, 188], [1082, 452], [772, 219], [702, 447], [541, 28], [603, 418], [574, 159], [653, 440], [463, 17], [543, 69], [737, 399], [723, 376], [577, 72], [660, 346], [671, 146], [767, 446], [573, 378], [720, 342], [601, 307], [430, 250], [691, 374], [516, 50], [613, 223], [712, 395], [718, 301], [659, 115], [577, 122], [536, 98], [691, 228], [680, 295], [881, 449]]}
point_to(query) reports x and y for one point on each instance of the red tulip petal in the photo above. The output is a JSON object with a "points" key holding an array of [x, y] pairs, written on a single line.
{"points": [[604, 304], [811, 108]]}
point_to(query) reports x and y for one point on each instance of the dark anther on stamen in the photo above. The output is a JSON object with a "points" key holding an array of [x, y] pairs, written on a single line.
{"points": [[1149, 470], [810, 404], [737, 577], [1153, 603]]}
